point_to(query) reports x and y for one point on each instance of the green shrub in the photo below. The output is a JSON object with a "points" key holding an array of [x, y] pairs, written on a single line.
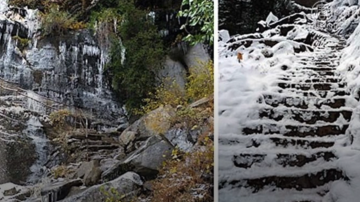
{"points": [[134, 78], [200, 23], [24, 3], [22, 42], [56, 22], [168, 93]]}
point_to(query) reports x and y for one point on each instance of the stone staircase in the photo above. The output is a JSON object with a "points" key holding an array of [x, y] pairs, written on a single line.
{"points": [[289, 153]]}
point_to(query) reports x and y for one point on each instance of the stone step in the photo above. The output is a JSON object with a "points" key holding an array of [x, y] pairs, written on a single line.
{"points": [[310, 73], [279, 141], [302, 143], [327, 80], [310, 86], [247, 160], [99, 147], [316, 80], [320, 93], [286, 195], [90, 142], [298, 182], [90, 136], [305, 116], [318, 68], [297, 130], [302, 103]]}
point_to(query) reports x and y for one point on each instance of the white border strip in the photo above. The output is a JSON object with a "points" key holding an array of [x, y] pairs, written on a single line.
{"points": [[216, 82]]}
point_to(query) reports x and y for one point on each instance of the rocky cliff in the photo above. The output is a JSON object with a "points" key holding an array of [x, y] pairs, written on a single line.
{"points": [[46, 80]]}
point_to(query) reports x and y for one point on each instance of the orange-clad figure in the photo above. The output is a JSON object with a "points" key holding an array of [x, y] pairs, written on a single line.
{"points": [[239, 57]]}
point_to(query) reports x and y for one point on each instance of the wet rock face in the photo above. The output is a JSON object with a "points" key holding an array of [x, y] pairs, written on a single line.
{"points": [[15, 166], [73, 73], [68, 69]]}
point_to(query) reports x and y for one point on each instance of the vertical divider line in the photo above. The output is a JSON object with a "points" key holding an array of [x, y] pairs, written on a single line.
{"points": [[216, 120]]}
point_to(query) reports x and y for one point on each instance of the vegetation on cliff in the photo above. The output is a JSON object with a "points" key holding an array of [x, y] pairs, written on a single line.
{"points": [[128, 25], [136, 48]]}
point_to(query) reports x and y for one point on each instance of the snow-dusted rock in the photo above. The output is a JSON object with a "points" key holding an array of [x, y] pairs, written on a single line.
{"points": [[224, 35], [271, 18]]}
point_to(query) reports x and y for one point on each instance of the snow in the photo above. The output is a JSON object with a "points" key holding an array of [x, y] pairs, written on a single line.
{"points": [[242, 86], [30, 21], [224, 35], [8, 186], [271, 18]]}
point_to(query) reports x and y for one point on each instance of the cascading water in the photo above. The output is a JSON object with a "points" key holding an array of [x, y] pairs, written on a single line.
{"points": [[13, 71], [34, 103], [35, 132], [52, 71]]}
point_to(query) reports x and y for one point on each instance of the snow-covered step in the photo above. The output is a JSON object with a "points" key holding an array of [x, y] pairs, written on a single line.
{"points": [[310, 72], [305, 116], [302, 103], [326, 80], [296, 130], [312, 80], [297, 159], [277, 140], [302, 143], [319, 93], [271, 194], [299, 182], [271, 141], [317, 68], [310, 86]]}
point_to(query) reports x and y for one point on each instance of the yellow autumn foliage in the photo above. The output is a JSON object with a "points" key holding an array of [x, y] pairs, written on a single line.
{"points": [[58, 118], [200, 84]]}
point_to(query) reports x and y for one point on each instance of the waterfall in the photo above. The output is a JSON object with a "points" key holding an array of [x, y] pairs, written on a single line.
{"points": [[35, 102], [3, 6], [67, 70], [123, 51], [35, 132], [75, 52]]}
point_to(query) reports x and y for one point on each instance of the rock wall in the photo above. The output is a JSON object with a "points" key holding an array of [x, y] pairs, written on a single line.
{"points": [[62, 71], [67, 69]]}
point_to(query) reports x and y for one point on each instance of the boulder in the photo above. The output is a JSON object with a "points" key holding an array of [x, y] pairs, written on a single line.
{"points": [[296, 18], [224, 35], [148, 162], [58, 190], [127, 137], [173, 71], [180, 138], [152, 124], [145, 161], [126, 185], [11, 192], [90, 172], [196, 55]]}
